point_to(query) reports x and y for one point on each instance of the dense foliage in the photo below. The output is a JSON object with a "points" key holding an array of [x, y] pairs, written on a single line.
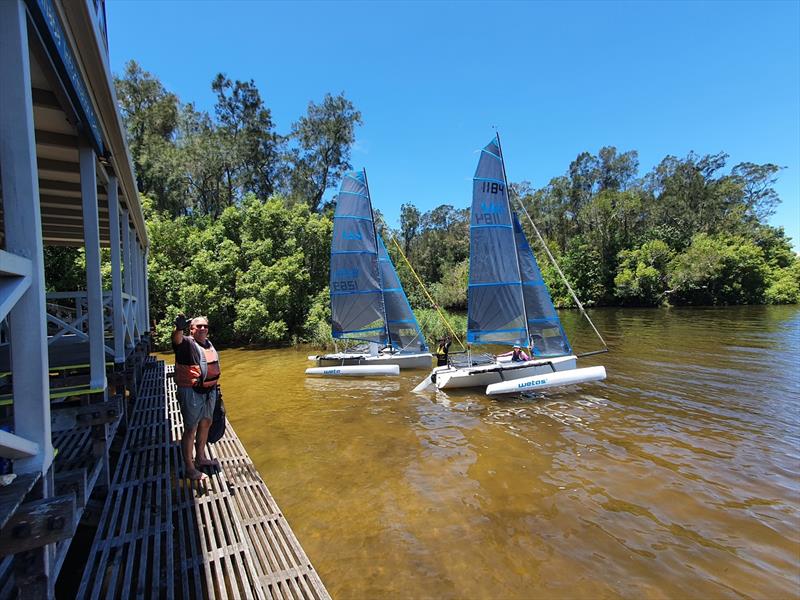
{"points": [[238, 230]]}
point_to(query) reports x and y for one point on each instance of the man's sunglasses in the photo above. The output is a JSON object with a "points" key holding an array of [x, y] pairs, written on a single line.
{"points": [[201, 326]]}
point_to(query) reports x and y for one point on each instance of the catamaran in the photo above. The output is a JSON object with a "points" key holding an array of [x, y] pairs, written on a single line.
{"points": [[508, 302], [368, 303]]}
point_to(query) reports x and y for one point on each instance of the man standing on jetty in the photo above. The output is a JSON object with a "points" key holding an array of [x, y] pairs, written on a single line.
{"points": [[196, 374]]}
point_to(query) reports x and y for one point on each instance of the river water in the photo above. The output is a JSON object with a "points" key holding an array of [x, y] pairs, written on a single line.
{"points": [[676, 477]]}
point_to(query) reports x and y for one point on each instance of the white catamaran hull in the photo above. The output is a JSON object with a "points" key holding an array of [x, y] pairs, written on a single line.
{"points": [[484, 375], [547, 380], [421, 360], [354, 371]]}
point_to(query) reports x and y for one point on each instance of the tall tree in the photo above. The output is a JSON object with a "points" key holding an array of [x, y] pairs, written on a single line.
{"points": [[323, 139], [150, 114], [253, 150]]}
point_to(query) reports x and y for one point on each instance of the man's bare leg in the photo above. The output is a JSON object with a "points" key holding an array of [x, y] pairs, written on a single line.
{"points": [[187, 440], [201, 460]]}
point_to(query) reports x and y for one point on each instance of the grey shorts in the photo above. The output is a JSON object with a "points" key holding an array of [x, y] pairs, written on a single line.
{"points": [[196, 406]]}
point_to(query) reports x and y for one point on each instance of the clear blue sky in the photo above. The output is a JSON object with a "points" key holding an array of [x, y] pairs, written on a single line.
{"points": [[432, 79]]}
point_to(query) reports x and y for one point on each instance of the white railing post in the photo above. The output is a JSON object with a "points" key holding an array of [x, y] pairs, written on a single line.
{"points": [[146, 292], [127, 276], [23, 237], [116, 272], [94, 286], [141, 295]]}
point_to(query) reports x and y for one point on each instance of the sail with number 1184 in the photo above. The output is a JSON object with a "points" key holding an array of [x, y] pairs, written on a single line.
{"points": [[508, 302]]}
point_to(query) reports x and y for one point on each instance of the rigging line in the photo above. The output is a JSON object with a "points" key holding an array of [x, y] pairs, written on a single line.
{"points": [[428, 296], [563, 277]]}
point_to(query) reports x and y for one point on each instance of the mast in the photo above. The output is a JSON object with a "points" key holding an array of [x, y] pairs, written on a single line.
{"points": [[516, 250], [377, 262]]}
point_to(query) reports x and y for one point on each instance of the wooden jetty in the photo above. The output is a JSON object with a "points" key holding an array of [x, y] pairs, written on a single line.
{"points": [[92, 501], [163, 536]]}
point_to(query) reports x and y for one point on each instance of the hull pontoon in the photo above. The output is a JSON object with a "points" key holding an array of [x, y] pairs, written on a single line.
{"points": [[410, 360], [452, 377]]}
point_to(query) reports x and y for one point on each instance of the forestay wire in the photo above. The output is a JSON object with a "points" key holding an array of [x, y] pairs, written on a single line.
{"points": [[428, 296], [564, 279]]}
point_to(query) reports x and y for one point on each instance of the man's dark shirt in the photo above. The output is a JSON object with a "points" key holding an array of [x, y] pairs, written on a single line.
{"points": [[183, 351]]}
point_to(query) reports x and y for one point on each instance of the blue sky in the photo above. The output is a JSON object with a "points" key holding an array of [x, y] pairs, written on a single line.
{"points": [[433, 79]]}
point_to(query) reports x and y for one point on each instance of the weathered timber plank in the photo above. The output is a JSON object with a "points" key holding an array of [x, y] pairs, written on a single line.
{"points": [[38, 523], [12, 495]]}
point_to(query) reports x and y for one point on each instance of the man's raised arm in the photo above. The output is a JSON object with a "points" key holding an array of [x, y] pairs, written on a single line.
{"points": [[180, 325]]}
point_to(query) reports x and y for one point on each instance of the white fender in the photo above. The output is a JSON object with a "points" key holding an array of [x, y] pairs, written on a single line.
{"points": [[547, 380], [354, 370]]}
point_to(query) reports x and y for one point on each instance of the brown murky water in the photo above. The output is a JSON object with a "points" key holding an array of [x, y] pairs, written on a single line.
{"points": [[677, 477]]}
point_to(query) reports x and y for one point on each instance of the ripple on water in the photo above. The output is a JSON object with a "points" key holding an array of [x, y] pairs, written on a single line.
{"points": [[676, 477]]}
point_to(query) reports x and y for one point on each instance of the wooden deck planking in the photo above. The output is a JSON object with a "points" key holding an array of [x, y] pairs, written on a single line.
{"points": [[161, 535]]}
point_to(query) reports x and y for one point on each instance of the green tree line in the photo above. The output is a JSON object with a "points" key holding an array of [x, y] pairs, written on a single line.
{"points": [[239, 230]]}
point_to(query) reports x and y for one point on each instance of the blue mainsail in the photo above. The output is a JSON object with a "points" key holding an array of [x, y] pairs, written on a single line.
{"points": [[357, 307], [508, 301], [404, 331], [544, 326], [495, 305]]}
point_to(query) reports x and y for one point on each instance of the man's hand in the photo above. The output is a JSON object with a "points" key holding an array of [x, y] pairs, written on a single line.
{"points": [[180, 322]]}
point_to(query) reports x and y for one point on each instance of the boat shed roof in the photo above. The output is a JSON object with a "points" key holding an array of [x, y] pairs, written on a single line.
{"points": [[71, 103]]}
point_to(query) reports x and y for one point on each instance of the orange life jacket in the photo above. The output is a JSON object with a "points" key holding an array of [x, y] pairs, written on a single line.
{"points": [[192, 375]]}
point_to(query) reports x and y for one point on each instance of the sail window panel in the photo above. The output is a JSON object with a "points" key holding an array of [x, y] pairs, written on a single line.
{"points": [[357, 316], [493, 257], [353, 274], [404, 330], [406, 338], [548, 338], [495, 315], [353, 235]]}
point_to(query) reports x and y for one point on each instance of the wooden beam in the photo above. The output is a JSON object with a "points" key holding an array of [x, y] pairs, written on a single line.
{"points": [[57, 140], [73, 482], [12, 495], [45, 99], [87, 415], [65, 186], [39, 523], [58, 166]]}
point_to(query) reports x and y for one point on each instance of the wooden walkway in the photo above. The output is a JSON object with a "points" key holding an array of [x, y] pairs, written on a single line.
{"points": [[162, 536]]}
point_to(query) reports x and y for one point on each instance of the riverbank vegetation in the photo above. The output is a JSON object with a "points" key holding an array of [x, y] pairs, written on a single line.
{"points": [[239, 230]]}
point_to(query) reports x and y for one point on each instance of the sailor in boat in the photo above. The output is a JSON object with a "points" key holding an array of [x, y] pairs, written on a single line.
{"points": [[442, 351], [516, 354]]}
